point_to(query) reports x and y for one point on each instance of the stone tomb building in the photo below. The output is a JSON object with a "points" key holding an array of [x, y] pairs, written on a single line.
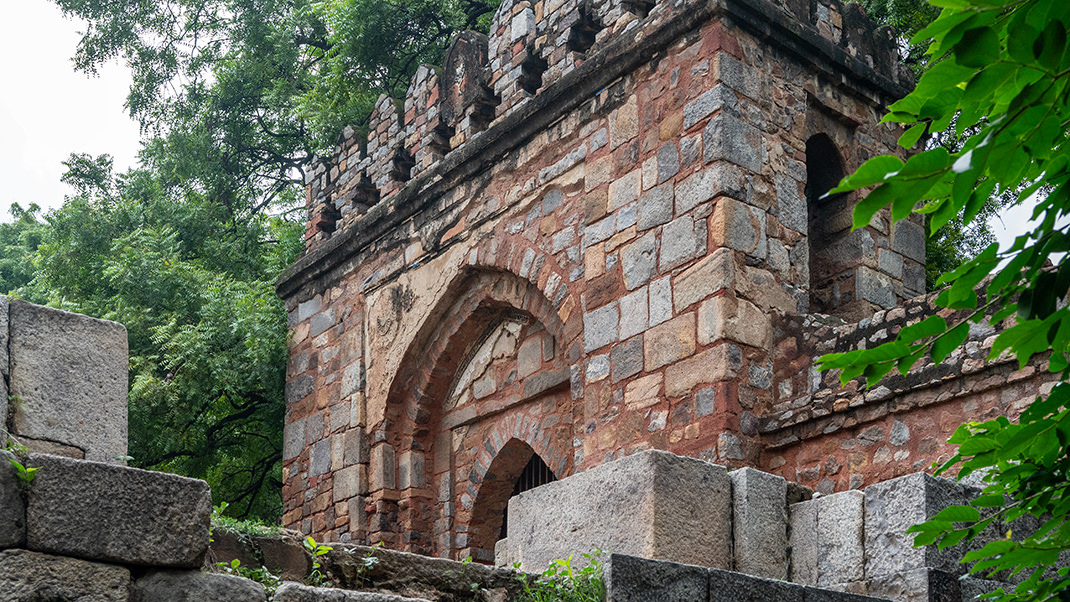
{"points": [[600, 230]]}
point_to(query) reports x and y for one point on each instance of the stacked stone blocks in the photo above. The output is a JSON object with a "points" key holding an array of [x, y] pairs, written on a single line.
{"points": [[754, 523]]}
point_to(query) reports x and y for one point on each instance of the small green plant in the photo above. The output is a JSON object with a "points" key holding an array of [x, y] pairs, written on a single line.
{"points": [[367, 563], [262, 575], [317, 578], [561, 582], [25, 475]]}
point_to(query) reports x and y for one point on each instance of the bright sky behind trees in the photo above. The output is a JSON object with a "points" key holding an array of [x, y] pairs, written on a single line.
{"points": [[48, 111]]}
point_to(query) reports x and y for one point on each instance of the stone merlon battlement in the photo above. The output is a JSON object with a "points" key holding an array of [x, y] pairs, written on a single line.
{"points": [[542, 59]]}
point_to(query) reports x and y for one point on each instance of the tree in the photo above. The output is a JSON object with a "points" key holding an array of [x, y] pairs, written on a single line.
{"points": [[207, 333], [238, 96], [955, 242], [998, 72]]}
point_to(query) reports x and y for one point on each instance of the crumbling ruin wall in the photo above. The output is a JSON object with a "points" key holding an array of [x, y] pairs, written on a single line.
{"points": [[833, 437], [599, 230], [592, 265]]}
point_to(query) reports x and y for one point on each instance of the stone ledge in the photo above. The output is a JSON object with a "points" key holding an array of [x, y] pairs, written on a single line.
{"points": [[98, 511]]}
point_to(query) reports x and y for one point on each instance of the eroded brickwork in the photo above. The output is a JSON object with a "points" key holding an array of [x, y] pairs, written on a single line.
{"points": [[596, 232]]}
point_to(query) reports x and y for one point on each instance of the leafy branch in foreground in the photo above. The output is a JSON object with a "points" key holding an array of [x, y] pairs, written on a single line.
{"points": [[999, 73]]}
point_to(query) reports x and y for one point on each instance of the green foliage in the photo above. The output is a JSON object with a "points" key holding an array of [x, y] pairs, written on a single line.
{"points": [[244, 528], [561, 582], [207, 334], [261, 575], [237, 96], [999, 78], [25, 475], [318, 578], [955, 242]]}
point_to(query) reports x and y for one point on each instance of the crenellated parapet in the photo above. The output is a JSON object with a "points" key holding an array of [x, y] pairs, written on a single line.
{"points": [[532, 45]]}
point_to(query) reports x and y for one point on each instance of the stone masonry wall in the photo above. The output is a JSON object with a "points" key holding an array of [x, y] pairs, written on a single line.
{"points": [[595, 232], [833, 437], [64, 382]]}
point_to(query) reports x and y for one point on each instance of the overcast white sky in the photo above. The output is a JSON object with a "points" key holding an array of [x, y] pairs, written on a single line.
{"points": [[48, 111]]}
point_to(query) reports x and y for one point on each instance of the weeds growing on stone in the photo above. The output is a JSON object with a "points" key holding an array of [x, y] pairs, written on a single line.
{"points": [[261, 575], [561, 582]]}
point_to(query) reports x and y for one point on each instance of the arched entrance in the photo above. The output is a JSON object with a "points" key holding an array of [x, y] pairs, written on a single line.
{"points": [[487, 370]]}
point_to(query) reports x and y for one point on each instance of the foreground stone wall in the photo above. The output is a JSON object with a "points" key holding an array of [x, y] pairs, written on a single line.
{"points": [[65, 375], [754, 523]]}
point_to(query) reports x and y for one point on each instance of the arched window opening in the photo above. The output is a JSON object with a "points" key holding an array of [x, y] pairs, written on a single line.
{"points": [[535, 474], [829, 220]]}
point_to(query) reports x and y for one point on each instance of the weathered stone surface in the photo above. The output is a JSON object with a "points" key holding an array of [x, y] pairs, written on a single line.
{"points": [[30, 577], [840, 520], [12, 505], [600, 327], [805, 547], [295, 592], [760, 523], [651, 504], [69, 372], [631, 579], [113, 513], [894, 506], [827, 539], [726, 586], [917, 585], [875, 287], [195, 586], [5, 367], [727, 137]]}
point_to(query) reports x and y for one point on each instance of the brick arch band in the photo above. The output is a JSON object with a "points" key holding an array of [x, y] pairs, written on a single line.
{"points": [[475, 301], [500, 462]]}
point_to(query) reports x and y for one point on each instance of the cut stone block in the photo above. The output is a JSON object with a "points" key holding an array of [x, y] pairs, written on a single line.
{"points": [[26, 576], [760, 523], [12, 505], [69, 373], [195, 586], [726, 586], [652, 504], [827, 539], [631, 579], [973, 587], [894, 506], [813, 594], [113, 513], [295, 592], [805, 546], [918, 585]]}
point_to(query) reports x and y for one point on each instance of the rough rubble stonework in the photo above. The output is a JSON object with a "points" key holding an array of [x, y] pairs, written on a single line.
{"points": [[600, 230]]}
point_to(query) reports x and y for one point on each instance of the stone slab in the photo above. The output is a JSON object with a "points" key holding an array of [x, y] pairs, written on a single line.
{"points": [[195, 586], [894, 506], [112, 513], [295, 592], [29, 576], [804, 544], [12, 505], [69, 373], [726, 586], [652, 504], [918, 585], [632, 579], [760, 523]]}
